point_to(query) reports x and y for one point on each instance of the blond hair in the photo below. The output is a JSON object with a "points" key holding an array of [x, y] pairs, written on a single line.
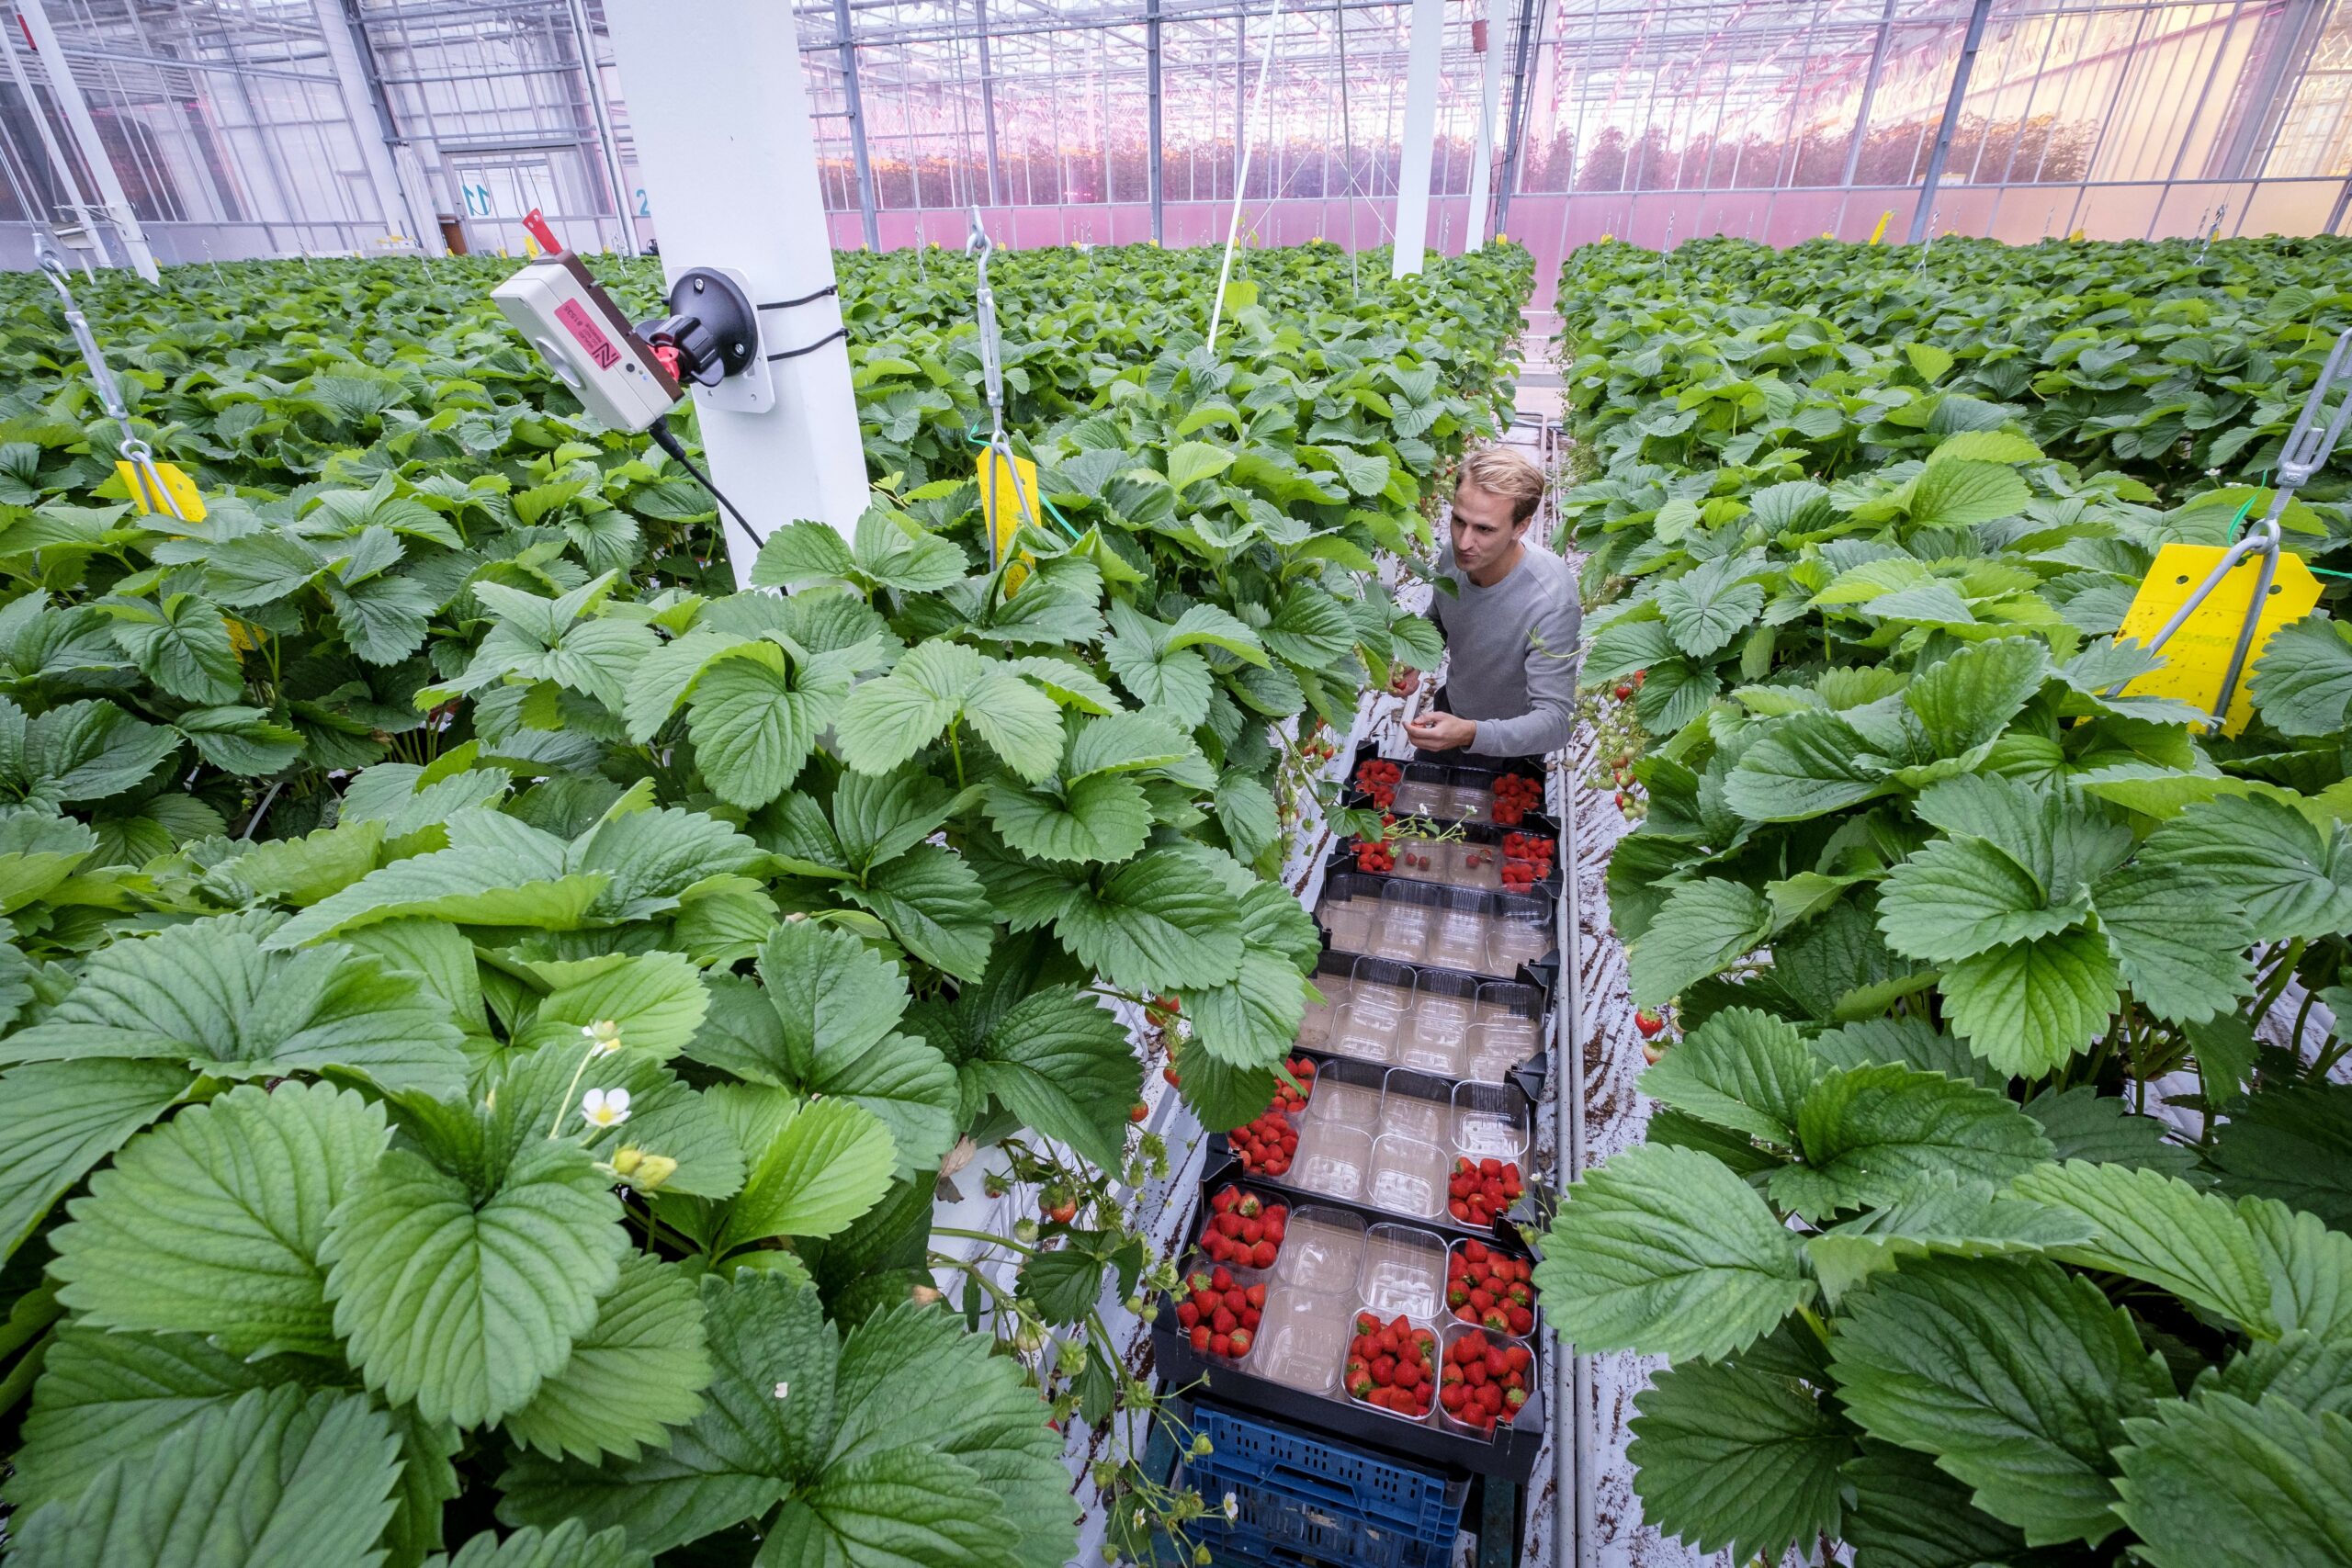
{"points": [[1500, 470]]}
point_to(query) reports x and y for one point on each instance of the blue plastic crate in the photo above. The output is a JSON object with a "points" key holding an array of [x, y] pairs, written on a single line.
{"points": [[1303, 1500]]}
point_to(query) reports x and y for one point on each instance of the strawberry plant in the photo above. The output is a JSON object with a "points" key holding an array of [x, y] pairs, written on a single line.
{"points": [[1966, 947], [485, 1009]]}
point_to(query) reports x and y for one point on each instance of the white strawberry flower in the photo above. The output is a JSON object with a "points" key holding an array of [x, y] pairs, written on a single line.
{"points": [[604, 1037], [604, 1107]]}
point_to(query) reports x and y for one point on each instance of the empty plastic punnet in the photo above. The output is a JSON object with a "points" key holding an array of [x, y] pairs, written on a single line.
{"points": [[1302, 1338], [1403, 1272], [1406, 1175], [1341, 1104], [1370, 1027], [1333, 1159], [1414, 1105], [1400, 933], [1315, 1032], [1443, 1009], [1489, 1122], [1458, 939], [1322, 1250], [1350, 922]]}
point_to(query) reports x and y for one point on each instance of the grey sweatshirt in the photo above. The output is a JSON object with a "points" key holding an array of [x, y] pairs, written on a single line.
{"points": [[1511, 650]]}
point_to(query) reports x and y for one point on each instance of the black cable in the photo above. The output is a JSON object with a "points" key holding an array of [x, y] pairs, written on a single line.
{"points": [[810, 347], [667, 439], [803, 299]]}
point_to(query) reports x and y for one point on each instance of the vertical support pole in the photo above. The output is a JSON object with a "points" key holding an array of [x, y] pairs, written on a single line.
{"points": [[1420, 133], [363, 111], [2336, 213], [1152, 149], [1491, 82], [67, 180], [1869, 98], [711, 125], [86, 133], [1531, 24], [857, 128], [1921, 214], [2285, 40], [597, 105], [998, 194]]}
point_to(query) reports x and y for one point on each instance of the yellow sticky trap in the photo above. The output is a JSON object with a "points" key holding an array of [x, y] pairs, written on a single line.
{"points": [[2075, 235], [2199, 654], [1001, 506], [189, 499], [1883, 219]]}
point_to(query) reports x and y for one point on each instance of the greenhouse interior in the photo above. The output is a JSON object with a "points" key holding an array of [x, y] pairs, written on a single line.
{"points": [[1306, 784]]}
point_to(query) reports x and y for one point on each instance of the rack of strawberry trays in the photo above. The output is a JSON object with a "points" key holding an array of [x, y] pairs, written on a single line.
{"points": [[1355, 1263]]}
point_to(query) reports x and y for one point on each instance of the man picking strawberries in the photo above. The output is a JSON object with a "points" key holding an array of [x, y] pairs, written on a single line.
{"points": [[1510, 629]]}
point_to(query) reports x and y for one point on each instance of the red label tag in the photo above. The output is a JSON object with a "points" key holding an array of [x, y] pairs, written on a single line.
{"points": [[538, 227], [588, 334]]}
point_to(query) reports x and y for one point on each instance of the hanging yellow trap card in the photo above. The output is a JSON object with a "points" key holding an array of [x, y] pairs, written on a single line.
{"points": [[2199, 654], [188, 500], [1880, 232], [1006, 507]]}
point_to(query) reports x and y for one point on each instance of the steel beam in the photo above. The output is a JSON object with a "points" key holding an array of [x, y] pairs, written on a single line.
{"points": [[1418, 144], [594, 73], [68, 181], [360, 106], [1152, 139], [712, 125], [998, 194], [77, 110], [1924, 213], [1531, 24], [856, 127], [1870, 97]]}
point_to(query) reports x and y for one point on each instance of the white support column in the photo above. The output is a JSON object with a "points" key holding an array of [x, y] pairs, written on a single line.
{"points": [[1420, 133], [1491, 91], [725, 144], [86, 133], [359, 107]]}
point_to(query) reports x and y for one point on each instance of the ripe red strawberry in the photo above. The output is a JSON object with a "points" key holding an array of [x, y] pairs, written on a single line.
{"points": [[1187, 1313], [1200, 1339], [1648, 1022], [1220, 1345], [1170, 1074], [1138, 1111], [1237, 1342], [1262, 1255], [1255, 1295]]}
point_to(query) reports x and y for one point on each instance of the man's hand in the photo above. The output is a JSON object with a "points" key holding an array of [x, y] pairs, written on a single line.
{"points": [[1441, 732]]}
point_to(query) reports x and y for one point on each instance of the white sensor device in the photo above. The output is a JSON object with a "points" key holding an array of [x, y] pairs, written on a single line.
{"points": [[590, 345]]}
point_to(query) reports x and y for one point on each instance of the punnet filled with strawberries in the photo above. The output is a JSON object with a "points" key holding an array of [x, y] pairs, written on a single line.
{"points": [[1243, 1230], [1392, 1366]]}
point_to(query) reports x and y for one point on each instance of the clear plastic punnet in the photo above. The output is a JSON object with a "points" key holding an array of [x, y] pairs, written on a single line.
{"points": [[1507, 1031], [1400, 933], [1380, 1005], [1302, 1337], [1338, 1103], [1315, 1033], [1415, 1105], [1522, 932], [1348, 920], [1403, 1272], [1406, 1175], [1322, 1250], [1459, 932], [1489, 1122], [1332, 1159], [1444, 1012], [1426, 790]]}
